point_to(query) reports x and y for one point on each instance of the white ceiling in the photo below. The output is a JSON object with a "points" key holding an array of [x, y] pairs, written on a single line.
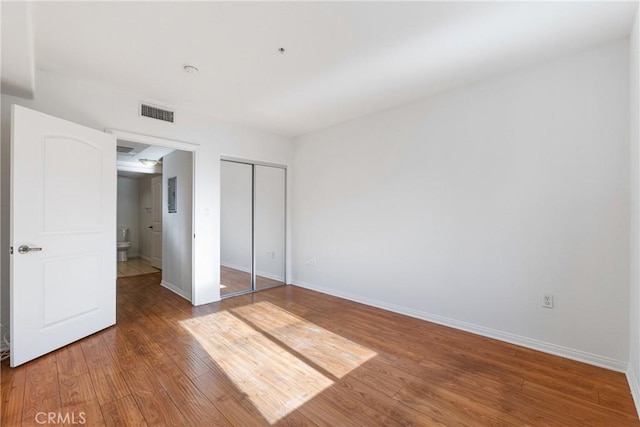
{"points": [[129, 165], [342, 60], [141, 151]]}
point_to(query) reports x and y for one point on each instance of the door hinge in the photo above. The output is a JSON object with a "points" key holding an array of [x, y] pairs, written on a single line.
{"points": [[10, 250]]}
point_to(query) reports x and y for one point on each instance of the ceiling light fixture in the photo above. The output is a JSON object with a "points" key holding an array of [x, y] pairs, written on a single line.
{"points": [[190, 69], [148, 162]]}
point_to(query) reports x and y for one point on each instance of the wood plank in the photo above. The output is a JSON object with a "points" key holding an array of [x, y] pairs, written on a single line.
{"points": [[231, 403], [109, 384], [96, 353], [329, 351], [76, 390], [89, 412], [123, 412], [142, 382], [617, 401], [192, 403], [274, 380], [324, 413], [574, 409], [159, 410], [13, 388], [70, 361], [41, 392], [394, 410], [195, 411]]}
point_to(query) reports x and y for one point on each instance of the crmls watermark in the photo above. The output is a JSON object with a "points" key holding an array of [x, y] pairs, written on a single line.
{"points": [[60, 418]]}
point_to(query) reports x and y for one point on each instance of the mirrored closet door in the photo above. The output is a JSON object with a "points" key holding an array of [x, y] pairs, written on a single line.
{"points": [[269, 226], [252, 227]]}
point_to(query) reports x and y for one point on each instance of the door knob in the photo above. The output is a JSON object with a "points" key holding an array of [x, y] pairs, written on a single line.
{"points": [[24, 249]]}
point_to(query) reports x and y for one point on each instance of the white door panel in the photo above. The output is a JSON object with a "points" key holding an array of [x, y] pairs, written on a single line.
{"points": [[63, 190], [156, 225]]}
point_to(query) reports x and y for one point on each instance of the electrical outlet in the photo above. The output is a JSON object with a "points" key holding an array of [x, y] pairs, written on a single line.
{"points": [[547, 300]]}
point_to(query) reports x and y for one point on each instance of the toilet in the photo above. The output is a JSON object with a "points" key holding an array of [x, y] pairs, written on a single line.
{"points": [[123, 243]]}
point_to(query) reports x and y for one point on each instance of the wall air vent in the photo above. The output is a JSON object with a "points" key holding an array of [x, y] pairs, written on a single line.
{"points": [[121, 149], [157, 113]]}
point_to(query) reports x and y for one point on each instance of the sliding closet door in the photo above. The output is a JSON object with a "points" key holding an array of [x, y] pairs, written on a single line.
{"points": [[269, 222], [236, 227]]}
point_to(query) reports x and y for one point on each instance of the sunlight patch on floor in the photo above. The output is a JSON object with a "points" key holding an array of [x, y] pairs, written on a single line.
{"points": [[273, 378], [275, 381], [332, 352]]}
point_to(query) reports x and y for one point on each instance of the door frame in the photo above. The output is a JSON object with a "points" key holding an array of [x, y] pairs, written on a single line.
{"points": [[253, 164], [177, 145]]}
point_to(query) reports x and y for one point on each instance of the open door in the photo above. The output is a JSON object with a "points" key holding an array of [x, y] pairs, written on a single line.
{"points": [[63, 233], [156, 225]]}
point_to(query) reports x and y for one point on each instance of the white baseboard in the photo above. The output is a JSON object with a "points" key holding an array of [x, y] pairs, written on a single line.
{"points": [[558, 350], [632, 379], [248, 270], [175, 289], [144, 257]]}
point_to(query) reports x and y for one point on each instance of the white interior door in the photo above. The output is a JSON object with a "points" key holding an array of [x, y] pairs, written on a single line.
{"points": [[156, 225], [63, 233]]}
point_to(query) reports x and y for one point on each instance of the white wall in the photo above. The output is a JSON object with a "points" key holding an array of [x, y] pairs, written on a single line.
{"points": [[236, 194], [128, 211], [467, 207], [634, 318], [103, 107], [177, 226], [145, 217]]}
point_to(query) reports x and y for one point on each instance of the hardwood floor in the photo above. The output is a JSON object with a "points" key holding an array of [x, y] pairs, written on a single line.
{"points": [[135, 267], [233, 280], [289, 356]]}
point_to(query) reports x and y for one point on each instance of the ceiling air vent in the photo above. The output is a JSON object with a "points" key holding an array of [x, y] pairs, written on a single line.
{"points": [[122, 149], [156, 113]]}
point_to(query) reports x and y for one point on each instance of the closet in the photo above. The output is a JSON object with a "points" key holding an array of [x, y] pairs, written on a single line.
{"points": [[252, 226]]}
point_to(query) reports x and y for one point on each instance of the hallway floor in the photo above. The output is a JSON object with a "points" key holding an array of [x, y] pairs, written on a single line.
{"points": [[135, 267]]}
